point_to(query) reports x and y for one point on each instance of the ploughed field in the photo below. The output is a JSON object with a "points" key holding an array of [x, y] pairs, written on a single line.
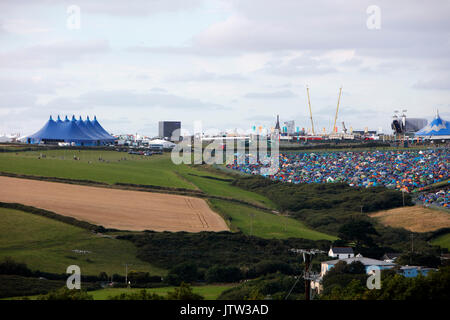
{"points": [[112, 208], [416, 219]]}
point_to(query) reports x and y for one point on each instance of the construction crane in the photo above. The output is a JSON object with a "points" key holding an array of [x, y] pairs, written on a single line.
{"points": [[310, 112], [337, 109]]}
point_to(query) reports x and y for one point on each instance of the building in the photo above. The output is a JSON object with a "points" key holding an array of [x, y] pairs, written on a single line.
{"points": [[169, 130], [367, 262], [390, 257], [341, 252], [414, 271]]}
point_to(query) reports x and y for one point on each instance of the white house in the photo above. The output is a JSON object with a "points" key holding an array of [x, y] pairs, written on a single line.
{"points": [[341, 252]]}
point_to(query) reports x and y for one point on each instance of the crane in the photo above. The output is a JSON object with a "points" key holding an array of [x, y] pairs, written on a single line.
{"points": [[337, 109], [310, 112]]}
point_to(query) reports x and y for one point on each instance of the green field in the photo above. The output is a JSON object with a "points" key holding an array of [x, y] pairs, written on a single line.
{"points": [[45, 244], [264, 224], [209, 292], [157, 170], [154, 170], [442, 241]]}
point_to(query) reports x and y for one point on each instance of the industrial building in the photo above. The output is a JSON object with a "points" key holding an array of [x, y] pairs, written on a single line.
{"points": [[169, 130]]}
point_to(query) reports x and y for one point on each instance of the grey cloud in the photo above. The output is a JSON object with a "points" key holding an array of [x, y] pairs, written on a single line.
{"points": [[207, 76], [270, 95], [52, 55], [124, 99], [442, 83], [109, 7]]}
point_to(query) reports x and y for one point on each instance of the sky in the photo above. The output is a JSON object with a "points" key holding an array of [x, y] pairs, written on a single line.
{"points": [[229, 64]]}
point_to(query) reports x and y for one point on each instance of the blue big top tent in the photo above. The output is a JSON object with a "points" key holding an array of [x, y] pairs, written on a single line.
{"points": [[77, 132], [437, 129]]}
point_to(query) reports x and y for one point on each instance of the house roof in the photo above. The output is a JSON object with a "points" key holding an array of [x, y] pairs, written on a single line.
{"points": [[365, 261], [391, 255], [342, 250]]}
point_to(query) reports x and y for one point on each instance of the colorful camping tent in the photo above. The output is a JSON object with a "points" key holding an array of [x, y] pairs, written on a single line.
{"points": [[437, 129], [78, 132]]}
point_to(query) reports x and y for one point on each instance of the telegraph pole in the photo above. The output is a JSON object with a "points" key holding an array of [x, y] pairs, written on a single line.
{"points": [[126, 273], [308, 275]]}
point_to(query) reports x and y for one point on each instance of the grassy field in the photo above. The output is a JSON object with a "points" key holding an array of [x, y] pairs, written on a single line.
{"points": [[45, 244], [218, 184], [265, 225], [442, 241], [210, 292], [156, 170], [159, 170]]}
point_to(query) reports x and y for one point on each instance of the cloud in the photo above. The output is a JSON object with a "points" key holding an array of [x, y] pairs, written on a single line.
{"points": [[52, 55], [130, 99], [270, 95], [441, 83], [109, 7], [302, 65], [207, 76], [23, 26]]}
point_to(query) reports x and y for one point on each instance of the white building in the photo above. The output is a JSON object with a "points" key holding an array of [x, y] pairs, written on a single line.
{"points": [[341, 252]]}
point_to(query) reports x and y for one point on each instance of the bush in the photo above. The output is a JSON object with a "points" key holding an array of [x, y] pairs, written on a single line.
{"points": [[9, 266], [66, 294], [223, 274], [184, 272]]}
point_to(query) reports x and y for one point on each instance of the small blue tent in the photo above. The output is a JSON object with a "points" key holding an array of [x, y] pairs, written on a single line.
{"points": [[437, 129], [80, 133]]}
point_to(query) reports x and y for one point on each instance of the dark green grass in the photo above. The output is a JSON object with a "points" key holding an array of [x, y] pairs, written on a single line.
{"points": [[263, 224], [442, 241], [46, 245]]}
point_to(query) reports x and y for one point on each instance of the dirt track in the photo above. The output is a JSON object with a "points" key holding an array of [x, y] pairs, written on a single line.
{"points": [[111, 208], [416, 219]]}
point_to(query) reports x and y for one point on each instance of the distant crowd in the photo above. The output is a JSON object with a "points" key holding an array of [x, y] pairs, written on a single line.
{"points": [[402, 170]]}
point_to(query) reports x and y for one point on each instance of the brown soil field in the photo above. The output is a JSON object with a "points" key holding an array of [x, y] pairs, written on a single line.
{"points": [[112, 208], [416, 218]]}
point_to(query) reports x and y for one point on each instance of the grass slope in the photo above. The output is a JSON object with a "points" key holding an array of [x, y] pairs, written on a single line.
{"points": [[442, 241], [265, 225], [156, 170], [45, 244], [210, 292]]}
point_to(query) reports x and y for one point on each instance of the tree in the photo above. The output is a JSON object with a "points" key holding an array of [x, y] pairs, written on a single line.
{"points": [[103, 276], [419, 259], [358, 231], [223, 274], [184, 292], [184, 272], [66, 294]]}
